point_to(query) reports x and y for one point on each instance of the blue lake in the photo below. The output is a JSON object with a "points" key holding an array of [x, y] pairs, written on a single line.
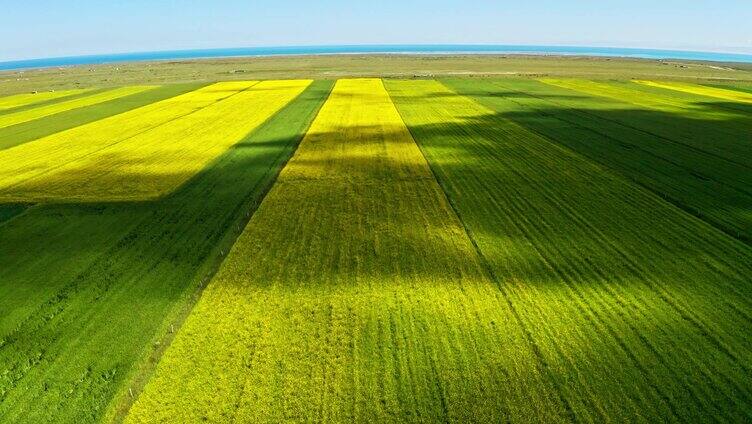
{"points": [[354, 49]]}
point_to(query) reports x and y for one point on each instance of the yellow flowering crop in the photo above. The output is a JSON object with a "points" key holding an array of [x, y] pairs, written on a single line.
{"points": [[143, 153], [46, 110], [24, 99]]}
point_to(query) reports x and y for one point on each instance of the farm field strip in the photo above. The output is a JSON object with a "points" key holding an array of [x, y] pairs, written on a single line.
{"points": [[51, 109], [696, 123], [17, 100], [152, 164], [16, 135], [708, 187], [78, 338], [46, 154], [720, 93], [353, 294], [638, 310]]}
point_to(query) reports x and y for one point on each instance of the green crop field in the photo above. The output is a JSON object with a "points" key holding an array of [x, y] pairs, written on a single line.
{"points": [[458, 244]]}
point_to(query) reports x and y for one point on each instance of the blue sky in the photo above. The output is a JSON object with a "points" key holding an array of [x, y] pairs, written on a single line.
{"points": [[44, 28]]}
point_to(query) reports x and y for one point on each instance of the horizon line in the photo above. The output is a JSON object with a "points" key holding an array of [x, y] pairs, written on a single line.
{"points": [[400, 48]]}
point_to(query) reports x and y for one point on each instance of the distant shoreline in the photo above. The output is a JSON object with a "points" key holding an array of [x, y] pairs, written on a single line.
{"points": [[438, 49]]}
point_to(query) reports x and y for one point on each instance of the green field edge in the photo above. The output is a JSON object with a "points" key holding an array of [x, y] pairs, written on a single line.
{"points": [[29, 131], [687, 209], [143, 370]]}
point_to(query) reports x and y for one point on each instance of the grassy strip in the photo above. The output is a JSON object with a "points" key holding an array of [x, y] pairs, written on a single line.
{"points": [[638, 310], [28, 131], [706, 186], [79, 335], [282, 132], [353, 295]]}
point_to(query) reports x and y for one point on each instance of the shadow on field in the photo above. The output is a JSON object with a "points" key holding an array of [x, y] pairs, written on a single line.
{"points": [[125, 266], [562, 235], [701, 166]]}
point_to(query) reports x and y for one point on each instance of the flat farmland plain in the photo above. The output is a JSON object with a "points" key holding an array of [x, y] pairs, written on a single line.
{"points": [[366, 250]]}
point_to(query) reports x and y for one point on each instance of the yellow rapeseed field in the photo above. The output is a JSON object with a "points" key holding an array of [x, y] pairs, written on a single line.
{"points": [[24, 99], [47, 110], [47, 154], [153, 163], [142, 153]]}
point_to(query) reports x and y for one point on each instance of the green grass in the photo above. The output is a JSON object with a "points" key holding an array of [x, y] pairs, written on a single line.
{"points": [[638, 311], [123, 275], [28, 131]]}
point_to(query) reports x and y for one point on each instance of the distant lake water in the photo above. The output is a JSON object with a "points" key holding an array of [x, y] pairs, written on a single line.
{"points": [[353, 49]]}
